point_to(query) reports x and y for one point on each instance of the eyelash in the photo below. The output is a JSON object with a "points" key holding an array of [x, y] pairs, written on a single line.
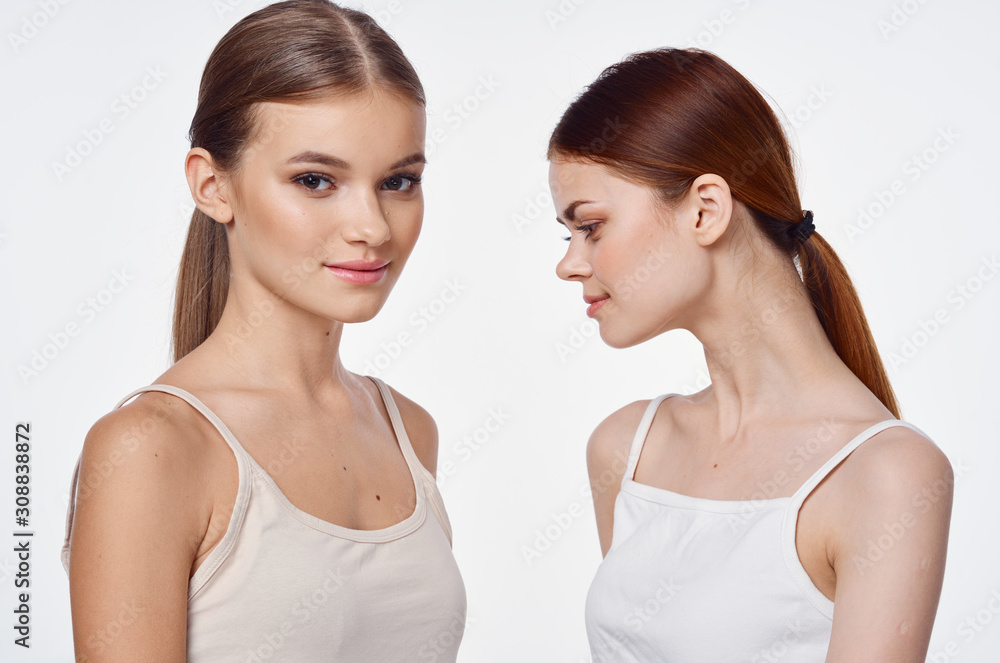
{"points": [[413, 179], [300, 179], [585, 228]]}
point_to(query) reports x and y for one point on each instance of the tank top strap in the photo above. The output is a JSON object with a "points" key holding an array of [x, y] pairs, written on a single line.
{"points": [[421, 475], [397, 424], [791, 517], [436, 503], [803, 492], [640, 435], [241, 453], [242, 493]]}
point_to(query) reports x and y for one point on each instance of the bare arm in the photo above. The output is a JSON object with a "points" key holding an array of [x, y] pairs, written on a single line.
{"points": [[888, 551], [139, 517], [607, 458]]}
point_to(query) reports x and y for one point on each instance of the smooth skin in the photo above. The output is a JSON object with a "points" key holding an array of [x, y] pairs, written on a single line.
{"points": [[776, 381], [144, 526]]}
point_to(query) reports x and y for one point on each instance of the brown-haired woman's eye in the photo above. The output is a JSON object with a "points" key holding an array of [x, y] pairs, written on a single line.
{"points": [[401, 182], [314, 182]]}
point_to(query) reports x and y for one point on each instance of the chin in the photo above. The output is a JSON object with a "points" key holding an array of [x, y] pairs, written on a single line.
{"points": [[626, 338], [352, 314], [617, 340], [349, 317]]}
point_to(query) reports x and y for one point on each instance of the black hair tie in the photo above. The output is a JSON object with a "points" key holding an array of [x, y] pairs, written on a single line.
{"points": [[801, 231]]}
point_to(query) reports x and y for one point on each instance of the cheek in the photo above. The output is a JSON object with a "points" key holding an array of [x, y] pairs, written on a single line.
{"points": [[267, 212], [642, 275], [612, 264], [405, 224], [280, 234]]}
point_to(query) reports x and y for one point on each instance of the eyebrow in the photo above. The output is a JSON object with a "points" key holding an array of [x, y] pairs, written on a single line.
{"points": [[335, 162], [571, 210]]}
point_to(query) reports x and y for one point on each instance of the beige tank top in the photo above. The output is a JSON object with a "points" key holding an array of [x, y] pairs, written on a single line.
{"points": [[283, 585]]}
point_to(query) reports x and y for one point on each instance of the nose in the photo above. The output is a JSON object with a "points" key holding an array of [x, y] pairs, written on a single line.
{"points": [[573, 266], [368, 222]]}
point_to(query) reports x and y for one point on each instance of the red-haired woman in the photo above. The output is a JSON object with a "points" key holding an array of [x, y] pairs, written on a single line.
{"points": [[259, 501], [747, 511]]}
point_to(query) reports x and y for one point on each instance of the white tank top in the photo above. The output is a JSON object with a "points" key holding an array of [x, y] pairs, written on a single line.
{"points": [[694, 580], [285, 585]]}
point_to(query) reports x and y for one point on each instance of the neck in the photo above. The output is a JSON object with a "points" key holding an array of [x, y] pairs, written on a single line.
{"points": [[267, 343], [765, 348]]}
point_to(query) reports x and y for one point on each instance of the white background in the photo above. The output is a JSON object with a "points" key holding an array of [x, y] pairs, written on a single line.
{"points": [[878, 99]]}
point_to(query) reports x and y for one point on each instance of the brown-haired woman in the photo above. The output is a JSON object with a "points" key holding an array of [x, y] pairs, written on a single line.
{"points": [[740, 513], [259, 501]]}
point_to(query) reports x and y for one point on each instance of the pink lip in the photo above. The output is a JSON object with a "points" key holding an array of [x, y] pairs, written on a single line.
{"points": [[595, 307], [360, 272]]}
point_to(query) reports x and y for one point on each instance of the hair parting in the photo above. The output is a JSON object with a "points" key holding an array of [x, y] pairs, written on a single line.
{"points": [[296, 50]]}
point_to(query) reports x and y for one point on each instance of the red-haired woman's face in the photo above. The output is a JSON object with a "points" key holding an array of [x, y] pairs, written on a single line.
{"points": [[638, 270], [327, 203]]}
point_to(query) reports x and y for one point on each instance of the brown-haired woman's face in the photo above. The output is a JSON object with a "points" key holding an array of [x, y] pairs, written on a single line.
{"points": [[638, 270], [327, 203]]}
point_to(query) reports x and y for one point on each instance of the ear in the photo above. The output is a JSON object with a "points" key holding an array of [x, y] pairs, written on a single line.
{"points": [[206, 183], [709, 204]]}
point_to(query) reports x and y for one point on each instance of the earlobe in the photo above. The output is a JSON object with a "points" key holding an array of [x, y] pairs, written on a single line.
{"points": [[205, 181], [713, 201]]}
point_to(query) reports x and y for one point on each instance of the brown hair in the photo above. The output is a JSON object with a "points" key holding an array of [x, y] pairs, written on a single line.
{"points": [[295, 50], [662, 118]]}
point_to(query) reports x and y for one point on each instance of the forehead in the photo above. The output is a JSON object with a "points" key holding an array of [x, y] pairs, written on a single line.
{"points": [[568, 178], [572, 181], [371, 125], [564, 174]]}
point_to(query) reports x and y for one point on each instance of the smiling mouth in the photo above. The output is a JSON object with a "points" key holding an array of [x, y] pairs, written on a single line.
{"points": [[595, 305], [360, 272]]}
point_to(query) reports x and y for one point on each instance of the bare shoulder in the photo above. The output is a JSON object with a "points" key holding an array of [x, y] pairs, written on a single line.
{"points": [[152, 420], [888, 546], [607, 459], [154, 438], [609, 444], [420, 428], [898, 476], [897, 464], [141, 509]]}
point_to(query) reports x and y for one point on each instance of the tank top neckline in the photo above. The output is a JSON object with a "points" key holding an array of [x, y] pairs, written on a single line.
{"points": [[682, 501], [679, 500], [247, 464], [742, 512]]}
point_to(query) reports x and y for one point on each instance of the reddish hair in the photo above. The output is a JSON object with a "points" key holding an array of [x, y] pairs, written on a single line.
{"points": [[676, 114]]}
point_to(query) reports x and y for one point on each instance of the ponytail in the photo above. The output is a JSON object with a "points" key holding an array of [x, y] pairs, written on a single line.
{"points": [[202, 284], [680, 113], [839, 311]]}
